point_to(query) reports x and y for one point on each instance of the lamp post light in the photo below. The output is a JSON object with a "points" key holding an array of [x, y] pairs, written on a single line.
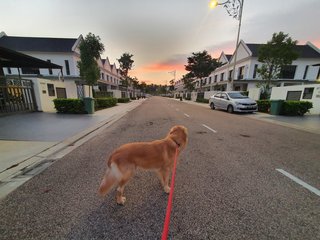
{"points": [[234, 9]]}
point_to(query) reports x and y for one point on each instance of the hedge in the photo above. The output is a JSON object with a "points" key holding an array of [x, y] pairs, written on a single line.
{"points": [[289, 108], [295, 108], [63, 105], [101, 103], [263, 106], [123, 100], [202, 100]]}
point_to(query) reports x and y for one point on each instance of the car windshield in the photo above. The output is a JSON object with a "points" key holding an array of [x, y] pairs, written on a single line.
{"points": [[237, 95]]}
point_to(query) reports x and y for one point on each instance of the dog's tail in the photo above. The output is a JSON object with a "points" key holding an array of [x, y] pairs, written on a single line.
{"points": [[111, 177]]}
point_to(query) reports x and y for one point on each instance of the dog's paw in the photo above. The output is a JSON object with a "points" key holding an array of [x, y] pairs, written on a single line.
{"points": [[166, 189], [121, 200]]}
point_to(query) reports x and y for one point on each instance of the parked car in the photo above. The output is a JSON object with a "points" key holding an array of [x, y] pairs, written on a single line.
{"points": [[233, 102]]}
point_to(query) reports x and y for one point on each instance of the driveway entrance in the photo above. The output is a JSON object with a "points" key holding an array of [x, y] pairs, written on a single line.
{"points": [[16, 95]]}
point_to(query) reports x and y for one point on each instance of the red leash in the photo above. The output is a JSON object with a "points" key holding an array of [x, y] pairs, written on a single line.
{"points": [[169, 206]]}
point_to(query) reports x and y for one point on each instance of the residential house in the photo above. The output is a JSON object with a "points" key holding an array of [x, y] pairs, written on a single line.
{"points": [[301, 71], [64, 52], [17, 94]]}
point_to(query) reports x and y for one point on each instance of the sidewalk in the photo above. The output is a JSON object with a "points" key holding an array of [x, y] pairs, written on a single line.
{"points": [[31, 142]]}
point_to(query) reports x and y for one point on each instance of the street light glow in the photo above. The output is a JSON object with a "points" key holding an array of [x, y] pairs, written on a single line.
{"points": [[213, 3]]}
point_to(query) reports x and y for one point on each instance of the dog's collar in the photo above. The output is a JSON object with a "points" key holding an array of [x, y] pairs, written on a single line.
{"points": [[176, 142]]}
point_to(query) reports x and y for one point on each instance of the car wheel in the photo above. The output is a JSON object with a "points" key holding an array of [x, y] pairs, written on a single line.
{"points": [[212, 105], [230, 109]]}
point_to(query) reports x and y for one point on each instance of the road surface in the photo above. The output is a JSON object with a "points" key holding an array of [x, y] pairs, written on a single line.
{"points": [[227, 185]]}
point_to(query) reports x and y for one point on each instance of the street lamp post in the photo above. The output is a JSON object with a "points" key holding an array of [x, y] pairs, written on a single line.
{"points": [[234, 9]]}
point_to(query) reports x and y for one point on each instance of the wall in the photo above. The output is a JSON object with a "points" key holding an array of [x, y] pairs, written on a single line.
{"points": [[281, 93], [254, 93], [44, 101], [208, 94]]}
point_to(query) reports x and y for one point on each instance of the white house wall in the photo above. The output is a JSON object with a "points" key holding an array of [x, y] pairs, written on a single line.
{"points": [[280, 93], [44, 101], [242, 53]]}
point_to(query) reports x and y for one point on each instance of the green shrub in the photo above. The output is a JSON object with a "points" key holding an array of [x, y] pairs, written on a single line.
{"points": [[63, 105], [202, 100], [245, 93], [263, 106], [123, 100], [295, 108], [101, 103]]}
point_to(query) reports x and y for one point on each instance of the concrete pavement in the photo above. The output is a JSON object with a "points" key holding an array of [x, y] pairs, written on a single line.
{"points": [[31, 142]]}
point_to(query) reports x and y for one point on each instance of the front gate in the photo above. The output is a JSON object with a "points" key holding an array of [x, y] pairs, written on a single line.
{"points": [[16, 95]]}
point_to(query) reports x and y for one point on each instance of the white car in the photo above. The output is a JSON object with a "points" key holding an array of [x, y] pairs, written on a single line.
{"points": [[233, 102]]}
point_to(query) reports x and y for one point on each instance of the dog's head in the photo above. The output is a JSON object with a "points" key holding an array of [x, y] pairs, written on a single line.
{"points": [[179, 134]]}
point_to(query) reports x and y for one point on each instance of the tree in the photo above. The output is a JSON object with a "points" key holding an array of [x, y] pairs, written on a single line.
{"points": [[171, 85], [90, 50], [188, 82], [200, 65], [126, 64], [143, 86], [277, 53]]}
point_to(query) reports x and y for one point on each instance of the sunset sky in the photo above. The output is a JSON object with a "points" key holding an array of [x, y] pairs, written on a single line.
{"points": [[161, 34]]}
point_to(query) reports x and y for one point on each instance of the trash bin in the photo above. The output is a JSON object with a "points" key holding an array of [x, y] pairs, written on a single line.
{"points": [[275, 106], [89, 105]]}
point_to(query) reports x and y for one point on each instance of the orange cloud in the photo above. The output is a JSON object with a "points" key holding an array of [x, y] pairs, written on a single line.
{"points": [[160, 67]]}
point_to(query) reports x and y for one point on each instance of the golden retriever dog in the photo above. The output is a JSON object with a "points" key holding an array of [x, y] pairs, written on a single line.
{"points": [[156, 155]]}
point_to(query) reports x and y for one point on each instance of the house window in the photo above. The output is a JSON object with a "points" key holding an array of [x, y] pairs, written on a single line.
{"points": [[204, 81], [305, 72], [215, 78], [241, 73], [318, 75], [61, 93], [209, 80], [307, 93], [255, 70], [66, 62], [293, 95], [102, 76], [230, 75], [30, 70], [50, 69], [9, 70], [51, 91], [222, 76], [288, 72]]}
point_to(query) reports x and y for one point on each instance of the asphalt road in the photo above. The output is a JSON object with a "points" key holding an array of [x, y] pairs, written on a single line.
{"points": [[227, 186]]}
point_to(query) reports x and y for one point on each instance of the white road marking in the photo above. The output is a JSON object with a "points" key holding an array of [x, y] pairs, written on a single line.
{"points": [[297, 180], [187, 115], [209, 128]]}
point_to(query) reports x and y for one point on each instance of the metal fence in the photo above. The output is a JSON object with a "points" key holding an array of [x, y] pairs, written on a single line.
{"points": [[16, 95]]}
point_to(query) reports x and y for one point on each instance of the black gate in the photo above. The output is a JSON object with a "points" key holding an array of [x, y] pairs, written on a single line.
{"points": [[16, 95]]}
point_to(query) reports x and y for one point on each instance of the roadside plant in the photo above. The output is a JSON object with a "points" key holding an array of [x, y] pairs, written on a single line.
{"points": [[126, 63], [274, 56], [200, 65], [90, 50]]}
